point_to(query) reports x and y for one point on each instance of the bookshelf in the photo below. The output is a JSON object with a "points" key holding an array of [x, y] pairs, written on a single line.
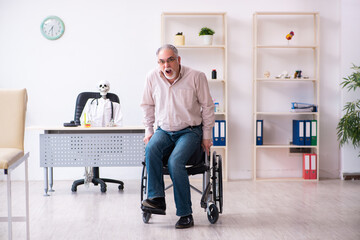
{"points": [[276, 160], [203, 57]]}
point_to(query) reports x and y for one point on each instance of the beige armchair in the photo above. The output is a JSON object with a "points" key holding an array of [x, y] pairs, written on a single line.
{"points": [[12, 126]]}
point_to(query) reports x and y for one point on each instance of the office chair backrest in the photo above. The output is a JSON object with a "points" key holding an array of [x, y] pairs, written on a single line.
{"points": [[12, 121], [82, 99]]}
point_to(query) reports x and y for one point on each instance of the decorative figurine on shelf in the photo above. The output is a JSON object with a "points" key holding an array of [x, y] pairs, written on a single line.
{"points": [[266, 74], [297, 74], [179, 39], [284, 74], [290, 35]]}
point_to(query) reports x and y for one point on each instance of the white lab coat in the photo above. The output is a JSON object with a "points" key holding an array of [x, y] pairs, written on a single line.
{"points": [[98, 113]]}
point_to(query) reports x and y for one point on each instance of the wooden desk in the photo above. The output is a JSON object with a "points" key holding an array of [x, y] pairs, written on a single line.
{"points": [[89, 147]]}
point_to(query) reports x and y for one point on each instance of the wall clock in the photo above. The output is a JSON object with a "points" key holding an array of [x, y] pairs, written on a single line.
{"points": [[52, 28]]}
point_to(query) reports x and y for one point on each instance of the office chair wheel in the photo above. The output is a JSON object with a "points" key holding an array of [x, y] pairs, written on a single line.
{"points": [[121, 187], [73, 188], [217, 184], [212, 213], [146, 217], [103, 189]]}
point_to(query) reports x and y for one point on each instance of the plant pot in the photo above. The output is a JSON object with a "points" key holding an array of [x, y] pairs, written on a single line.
{"points": [[207, 39], [179, 40]]}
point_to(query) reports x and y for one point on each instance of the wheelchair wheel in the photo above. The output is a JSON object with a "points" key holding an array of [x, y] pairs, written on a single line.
{"points": [[143, 183], [146, 216], [217, 184], [212, 213]]}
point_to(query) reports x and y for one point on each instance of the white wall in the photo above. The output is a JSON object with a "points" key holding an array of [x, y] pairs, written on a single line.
{"points": [[117, 40], [350, 54]]}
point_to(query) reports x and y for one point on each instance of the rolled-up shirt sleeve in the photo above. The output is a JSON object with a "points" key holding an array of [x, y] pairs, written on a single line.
{"points": [[207, 106], [148, 106]]}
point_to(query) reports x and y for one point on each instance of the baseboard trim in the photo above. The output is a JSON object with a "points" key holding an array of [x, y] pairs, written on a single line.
{"points": [[351, 176]]}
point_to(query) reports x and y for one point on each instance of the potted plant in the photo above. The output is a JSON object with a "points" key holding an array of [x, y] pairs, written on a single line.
{"points": [[348, 128], [207, 35], [179, 39]]}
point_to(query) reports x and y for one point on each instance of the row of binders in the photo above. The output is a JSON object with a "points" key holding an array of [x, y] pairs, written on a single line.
{"points": [[305, 132], [309, 166], [219, 133]]}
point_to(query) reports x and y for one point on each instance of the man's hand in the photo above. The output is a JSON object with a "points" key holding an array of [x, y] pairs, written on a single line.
{"points": [[147, 139], [206, 144]]}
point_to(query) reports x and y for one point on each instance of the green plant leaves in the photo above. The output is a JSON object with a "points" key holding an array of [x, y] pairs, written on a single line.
{"points": [[348, 128], [206, 31], [352, 81]]}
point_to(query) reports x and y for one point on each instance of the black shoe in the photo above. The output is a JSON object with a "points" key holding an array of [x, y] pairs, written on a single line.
{"points": [[155, 205], [185, 222]]}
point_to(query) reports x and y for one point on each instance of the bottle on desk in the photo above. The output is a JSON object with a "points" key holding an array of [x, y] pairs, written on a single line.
{"points": [[87, 123]]}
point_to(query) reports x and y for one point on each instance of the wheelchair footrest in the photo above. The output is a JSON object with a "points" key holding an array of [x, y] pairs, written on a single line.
{"points": [[153, 210]]}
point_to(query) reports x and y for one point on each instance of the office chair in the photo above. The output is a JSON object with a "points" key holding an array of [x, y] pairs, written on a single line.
{"points": [[212, 191], [80, 104], [12, 127]]}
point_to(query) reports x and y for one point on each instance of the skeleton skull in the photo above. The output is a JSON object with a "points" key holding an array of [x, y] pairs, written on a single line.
{"points": [[104, 87]]}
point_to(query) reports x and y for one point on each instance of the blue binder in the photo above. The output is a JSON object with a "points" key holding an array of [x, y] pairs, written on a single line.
{"points": [[216, 137], [219, 133], [259, 132], [298, 132], [222, 133], [307, 132]]}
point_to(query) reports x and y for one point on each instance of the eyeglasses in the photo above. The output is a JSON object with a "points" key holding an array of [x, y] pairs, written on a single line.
{"points": [[169, 60]]}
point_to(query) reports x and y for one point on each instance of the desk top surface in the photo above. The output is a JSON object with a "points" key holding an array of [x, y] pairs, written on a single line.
{"points": [[81, 128]]}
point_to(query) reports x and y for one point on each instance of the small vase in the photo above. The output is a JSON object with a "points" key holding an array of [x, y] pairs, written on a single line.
{"points": [[179, 40], [207, 39]]}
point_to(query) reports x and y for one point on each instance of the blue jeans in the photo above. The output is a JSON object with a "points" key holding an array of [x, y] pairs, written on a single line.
{"points": [[180, 145]]}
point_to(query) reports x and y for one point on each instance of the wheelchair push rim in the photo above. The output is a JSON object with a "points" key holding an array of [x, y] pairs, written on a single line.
{"points": [[143, 183], [217, 181]]}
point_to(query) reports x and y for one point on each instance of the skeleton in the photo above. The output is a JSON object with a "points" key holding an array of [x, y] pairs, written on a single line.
{"points": [[104, 88]]}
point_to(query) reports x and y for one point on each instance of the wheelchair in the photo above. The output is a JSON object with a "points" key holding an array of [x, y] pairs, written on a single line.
{"points": [[212, 189]]}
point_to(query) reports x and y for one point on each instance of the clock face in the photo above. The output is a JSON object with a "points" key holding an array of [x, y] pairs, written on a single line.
{"points": [[52, 28]]}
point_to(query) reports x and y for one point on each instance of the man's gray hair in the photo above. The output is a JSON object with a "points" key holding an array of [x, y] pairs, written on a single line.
{"points": [[168, 46]]}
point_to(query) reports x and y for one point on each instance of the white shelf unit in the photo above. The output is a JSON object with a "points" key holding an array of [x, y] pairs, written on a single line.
{"points": [[203, 57], [272, 96]]}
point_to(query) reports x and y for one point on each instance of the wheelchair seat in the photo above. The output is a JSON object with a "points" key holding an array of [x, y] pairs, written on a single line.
{"points": [[195, 165], [199, 163]]}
